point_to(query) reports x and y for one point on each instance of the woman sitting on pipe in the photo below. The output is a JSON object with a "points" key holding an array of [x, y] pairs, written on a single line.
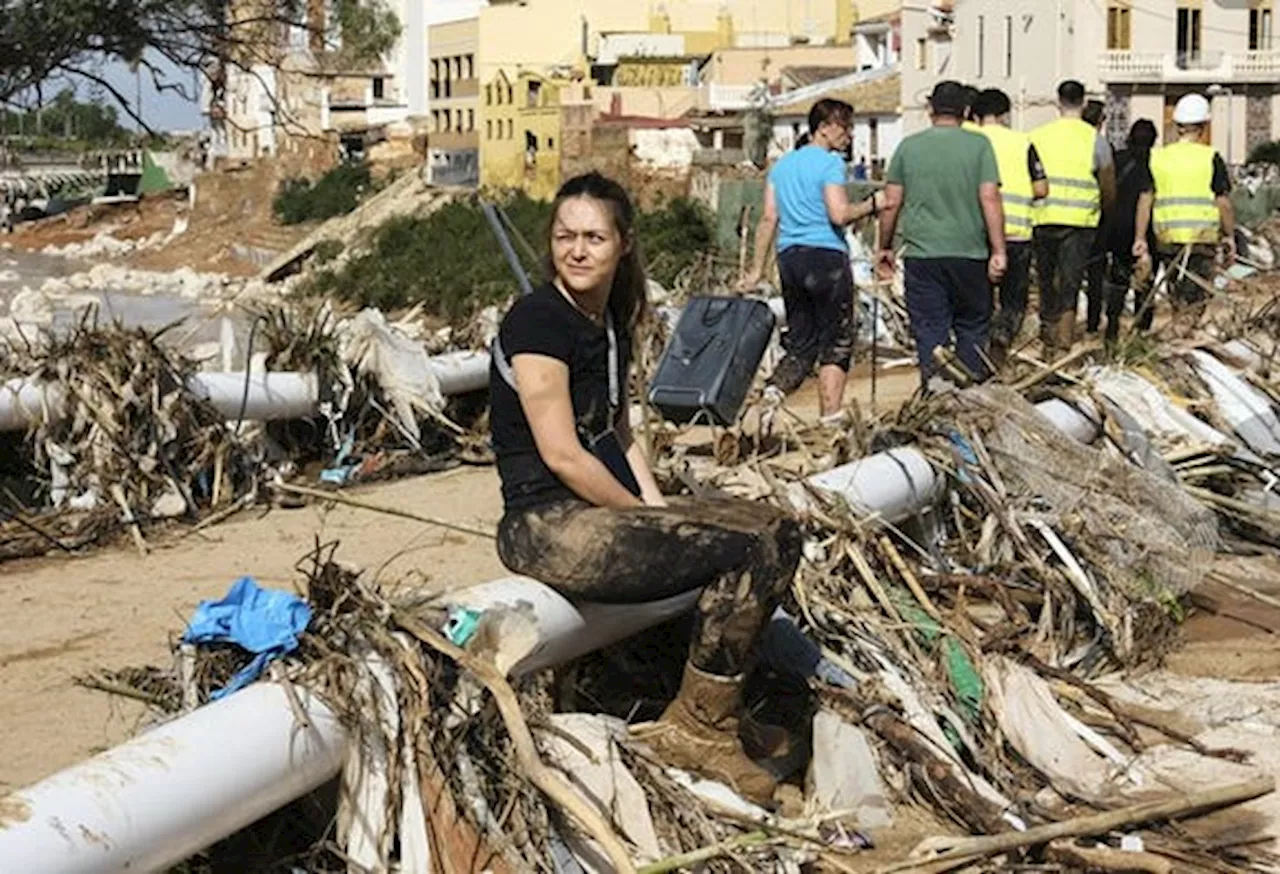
{"points": [[583, 512]]}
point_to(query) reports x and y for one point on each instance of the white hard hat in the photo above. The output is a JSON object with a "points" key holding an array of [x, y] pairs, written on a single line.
{"points": [[1191, 109]]}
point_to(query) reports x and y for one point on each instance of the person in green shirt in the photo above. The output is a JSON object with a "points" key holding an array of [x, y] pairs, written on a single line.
{"points": [[944, 189]]}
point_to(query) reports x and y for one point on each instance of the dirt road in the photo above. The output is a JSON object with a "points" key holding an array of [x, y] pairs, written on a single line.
{"points": [[114, 608]]}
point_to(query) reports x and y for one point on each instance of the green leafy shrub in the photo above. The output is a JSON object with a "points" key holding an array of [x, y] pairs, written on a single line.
{"points": [[673, 236], [336, 193], [450, 262]]}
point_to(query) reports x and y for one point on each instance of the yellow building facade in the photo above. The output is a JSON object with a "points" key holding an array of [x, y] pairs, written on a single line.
{"points": [[535, 59], [526, 121]]}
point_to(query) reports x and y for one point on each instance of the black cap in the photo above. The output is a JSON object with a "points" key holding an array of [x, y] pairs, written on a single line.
{"points": [[949, 98]]}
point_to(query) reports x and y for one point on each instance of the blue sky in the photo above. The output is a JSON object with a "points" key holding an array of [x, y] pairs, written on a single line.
{"points": [[161, 111]]}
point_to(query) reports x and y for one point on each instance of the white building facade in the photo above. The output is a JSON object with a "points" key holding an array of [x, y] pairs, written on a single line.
{"points": [[1140, 56]]}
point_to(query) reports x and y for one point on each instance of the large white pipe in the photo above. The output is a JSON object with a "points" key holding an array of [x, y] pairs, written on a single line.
{"points": [[461, 372], [167, 794], [272, 395], [26, 402], [157, 799], [896, 484]]}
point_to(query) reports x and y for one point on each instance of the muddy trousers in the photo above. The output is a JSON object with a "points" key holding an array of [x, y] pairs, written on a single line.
{"points": [[1096, 284], [1062, 257], [744, 553], [1013, 290], [817, 290]]}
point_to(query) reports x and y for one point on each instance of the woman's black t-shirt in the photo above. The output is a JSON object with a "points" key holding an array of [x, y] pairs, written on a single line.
{"points": [[544, 323]]}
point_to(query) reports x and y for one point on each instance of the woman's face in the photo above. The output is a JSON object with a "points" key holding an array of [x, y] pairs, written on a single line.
{"points": [[585, 245]]}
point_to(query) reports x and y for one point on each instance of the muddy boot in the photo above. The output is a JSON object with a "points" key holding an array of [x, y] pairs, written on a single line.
{"points": [[1065, 332], [699, 732], [760, 740]]}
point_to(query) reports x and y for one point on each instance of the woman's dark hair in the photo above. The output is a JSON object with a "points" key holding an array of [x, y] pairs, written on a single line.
{"points": [[628, 300], [1142, 136]]}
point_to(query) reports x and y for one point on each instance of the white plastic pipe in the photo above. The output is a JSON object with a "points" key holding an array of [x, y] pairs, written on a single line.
{"points": [[461, 372], [897, 484], [167, 794], [159, 798], [272, 396], [26, 402]]}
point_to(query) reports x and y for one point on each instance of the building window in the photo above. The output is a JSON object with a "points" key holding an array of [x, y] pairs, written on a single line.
{"points": [[488, 129], [551, 143], [435, 120], [979, 62], [511, 95], [1118, 33], [471, 119], [379, 88], [471, 66], [1188, 43], [511, 129], [1008, 46], [535, 91], [922, 54], [1260, 27], [488, 95]]}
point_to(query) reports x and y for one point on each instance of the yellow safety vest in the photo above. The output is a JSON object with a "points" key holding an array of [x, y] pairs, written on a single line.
{"points": [[1185, 208], [1015, 182], [1066, 148]]}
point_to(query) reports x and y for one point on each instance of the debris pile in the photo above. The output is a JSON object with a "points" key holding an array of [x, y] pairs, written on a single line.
{"points": [[970, 659], [124, 430]]}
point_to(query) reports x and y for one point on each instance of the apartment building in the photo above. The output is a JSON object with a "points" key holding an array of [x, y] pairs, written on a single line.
{"points": [[286, 96], [1141, 56], [453, 138], [529, 122]]}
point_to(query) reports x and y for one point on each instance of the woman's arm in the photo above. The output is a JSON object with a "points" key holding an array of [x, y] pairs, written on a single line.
{"points": [[639, 462], [543, 388]]}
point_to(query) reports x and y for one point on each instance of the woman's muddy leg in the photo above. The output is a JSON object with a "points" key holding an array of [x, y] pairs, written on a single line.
{"points": [[735, 608]]}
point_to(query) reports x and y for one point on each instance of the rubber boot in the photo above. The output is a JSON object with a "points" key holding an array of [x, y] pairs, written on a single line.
{"points": [[699, 732], [760, 740], [1065, 331]]}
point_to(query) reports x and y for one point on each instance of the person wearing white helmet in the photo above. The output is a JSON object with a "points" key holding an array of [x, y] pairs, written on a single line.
{"points": [[1189, 203]]}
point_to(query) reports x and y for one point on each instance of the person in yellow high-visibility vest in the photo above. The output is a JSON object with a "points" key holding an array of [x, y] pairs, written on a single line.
{"points": [[1189, 201], [970, 120], [1081, 173], [1022, 180]]}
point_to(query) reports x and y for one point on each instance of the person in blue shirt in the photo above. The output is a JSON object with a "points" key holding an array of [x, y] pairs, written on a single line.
{"points": [[807, 206]]}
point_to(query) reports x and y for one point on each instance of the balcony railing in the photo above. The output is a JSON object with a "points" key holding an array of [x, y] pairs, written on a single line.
{"points": [[733, 97], [1207, 67]]}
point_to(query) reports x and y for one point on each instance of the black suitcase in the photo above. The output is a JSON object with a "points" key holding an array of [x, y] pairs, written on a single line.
{"points": [[712, 358]]}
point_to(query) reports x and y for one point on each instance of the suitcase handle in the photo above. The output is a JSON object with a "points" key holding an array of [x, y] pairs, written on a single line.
{"points": [[716, 308], [698, 394]]}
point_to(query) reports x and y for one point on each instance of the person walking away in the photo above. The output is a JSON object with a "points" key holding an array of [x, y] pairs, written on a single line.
{"points": [[969, 121], [807, 205], [1189, 204], [1081, 174], [1133, 176], [945, 185], [582, 511], [860, 170], [1022, 180], [1094, 114]]}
